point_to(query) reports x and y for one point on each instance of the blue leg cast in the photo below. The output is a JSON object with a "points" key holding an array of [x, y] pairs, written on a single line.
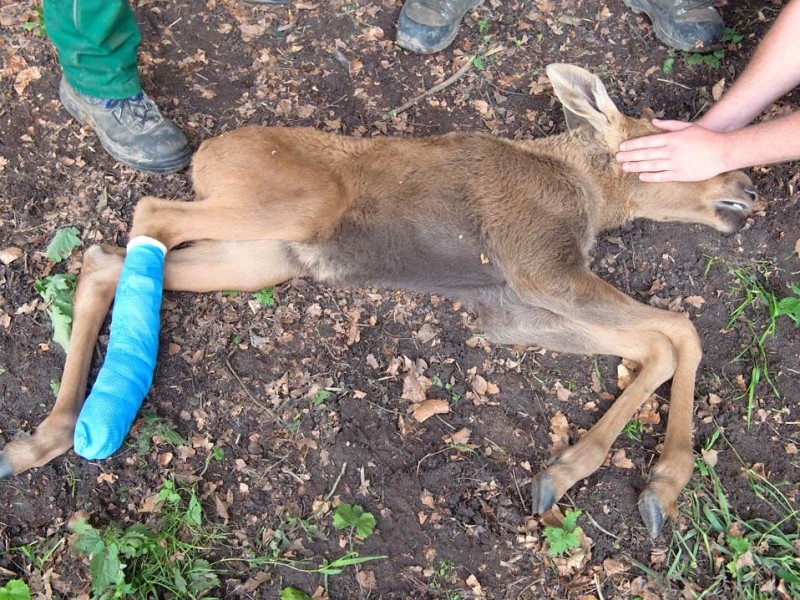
{"points": [[127, 372]]}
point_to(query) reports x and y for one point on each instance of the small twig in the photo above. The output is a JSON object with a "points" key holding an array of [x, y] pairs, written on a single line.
{"points": [[430, 455], [519, 492], [598, 587], [596, 524], [336, 483], [175, 22], [686, 87], [292, 474], [699, 110], [446, 83], [265, 408]]}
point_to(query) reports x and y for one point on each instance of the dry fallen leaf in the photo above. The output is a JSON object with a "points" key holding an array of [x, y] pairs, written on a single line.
{"points": [[25, 77], [475, 586], [10, 254], [479, 385], [221, 508], [562, 393], [620, 460], [404, 428], [366, 580], [426, 409], [710, 456], [613, 567], [648, 413], [107, 478], [426, 333], [717, 89], [560, 433], [413, 387], [696, 301], [459, 437], [797, 248], [625, 375], [254, 582]]}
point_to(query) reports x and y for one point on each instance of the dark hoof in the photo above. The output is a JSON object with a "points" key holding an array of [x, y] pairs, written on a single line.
{"points": [[543, 496], [5, 469], [652, 512]]}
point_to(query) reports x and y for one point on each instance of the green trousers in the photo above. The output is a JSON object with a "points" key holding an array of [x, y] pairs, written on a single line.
{"points": [[97, 43]]}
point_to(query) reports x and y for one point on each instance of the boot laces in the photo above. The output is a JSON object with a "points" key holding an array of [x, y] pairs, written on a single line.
{"points": [[138, 112]]}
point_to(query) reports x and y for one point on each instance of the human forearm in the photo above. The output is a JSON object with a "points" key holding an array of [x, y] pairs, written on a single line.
{"points": [[773, 71], [769, 142]]}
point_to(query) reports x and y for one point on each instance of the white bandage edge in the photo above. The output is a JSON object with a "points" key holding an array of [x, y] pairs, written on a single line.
{"points": [[145, 240]]}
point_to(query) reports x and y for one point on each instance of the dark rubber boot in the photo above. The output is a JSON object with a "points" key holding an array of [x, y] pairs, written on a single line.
{"points": [[132, 130], [428, 26], [688, 25]]}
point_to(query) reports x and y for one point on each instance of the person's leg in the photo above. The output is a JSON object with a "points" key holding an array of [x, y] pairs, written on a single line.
{"points": [[97, 43], [428, 26], [689, 25]]}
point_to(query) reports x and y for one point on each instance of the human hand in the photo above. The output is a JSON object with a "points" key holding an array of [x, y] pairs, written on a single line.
{"points": [[686, 152]]}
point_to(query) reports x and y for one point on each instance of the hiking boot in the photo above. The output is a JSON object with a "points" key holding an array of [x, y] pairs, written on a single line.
{"points": [[688, 25], [427, 26], [132, 130]]}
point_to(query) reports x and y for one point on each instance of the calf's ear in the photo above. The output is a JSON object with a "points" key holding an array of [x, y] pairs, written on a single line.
{"points": [[584, 97]]}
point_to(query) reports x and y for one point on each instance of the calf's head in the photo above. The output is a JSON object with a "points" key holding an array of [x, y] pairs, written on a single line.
{"points": [[723, 202]]}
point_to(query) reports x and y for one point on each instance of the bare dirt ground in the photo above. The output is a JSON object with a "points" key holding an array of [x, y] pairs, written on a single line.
{"points": [[246, 378]]}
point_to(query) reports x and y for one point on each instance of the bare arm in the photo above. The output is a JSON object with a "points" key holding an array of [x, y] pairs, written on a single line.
{"points": [[719, 141], [773, 71]]}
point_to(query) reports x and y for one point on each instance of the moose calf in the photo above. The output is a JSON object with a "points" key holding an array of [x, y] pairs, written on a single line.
{"points": [[426, 214]]}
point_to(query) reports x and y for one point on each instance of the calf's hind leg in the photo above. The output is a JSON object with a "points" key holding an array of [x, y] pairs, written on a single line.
{"points": [[211, 265], [649, 348], [207, 266], [96, 285]]}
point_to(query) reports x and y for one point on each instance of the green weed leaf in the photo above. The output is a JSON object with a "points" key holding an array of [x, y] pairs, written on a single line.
{"points": [[162, 430], [732, 36], [140, 562], [89, 541], [353, 515], [201, 578], [320, 397], [63, 243], [560, 541], [790, 307], [106, 569], [291, 593], [571, 520], [266, 296], [58, 292], [566, 537], [168, 494], [194, 514], [15, 590]]}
